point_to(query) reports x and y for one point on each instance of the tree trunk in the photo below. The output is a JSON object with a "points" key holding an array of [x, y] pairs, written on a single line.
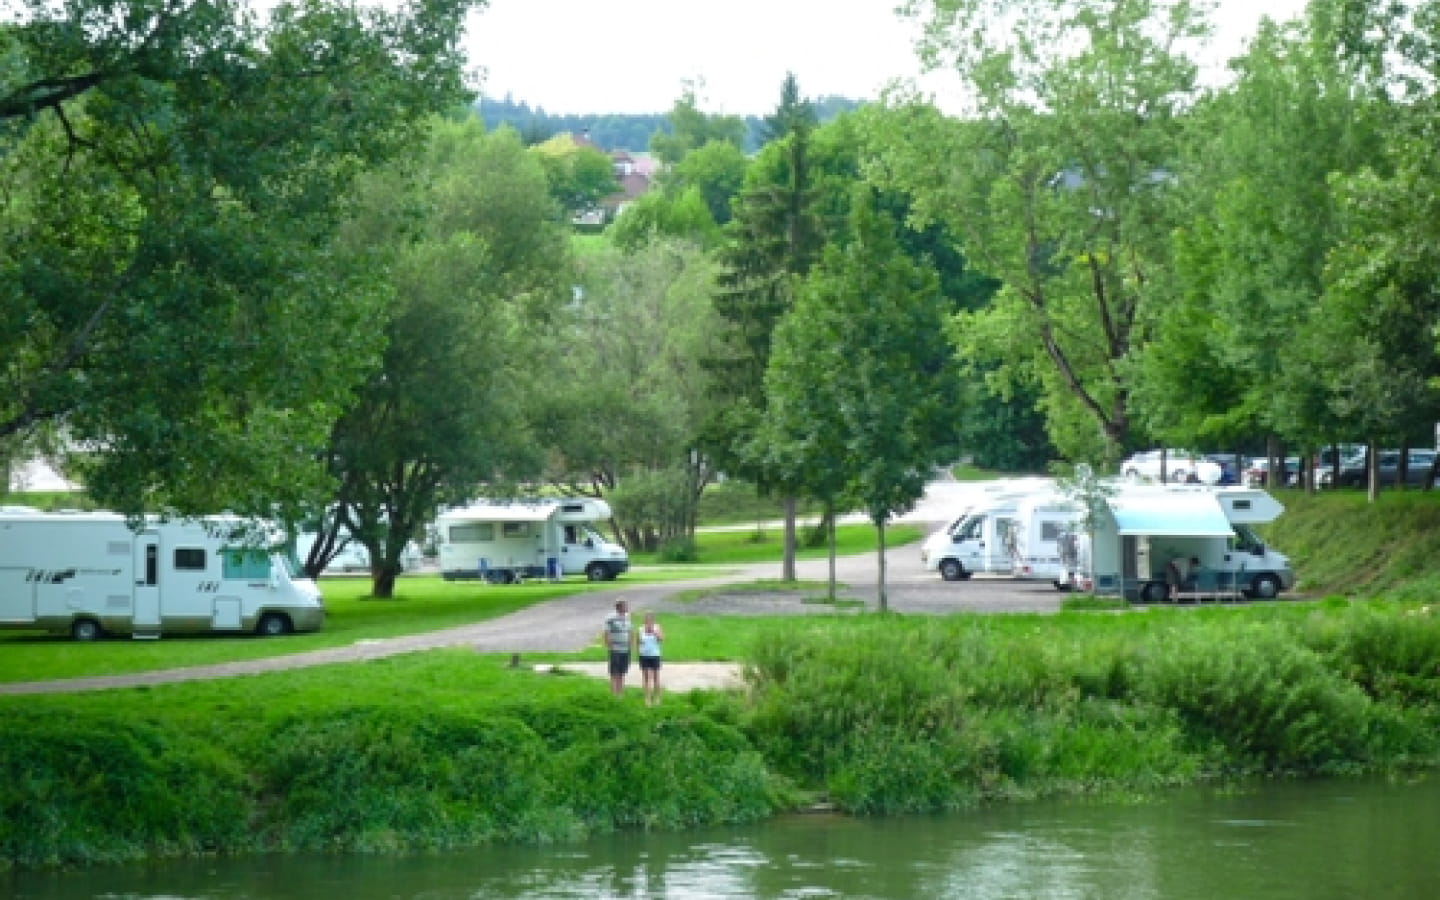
{"points": [[884, 601], [830, 518], [382, 585], [787, 570]]}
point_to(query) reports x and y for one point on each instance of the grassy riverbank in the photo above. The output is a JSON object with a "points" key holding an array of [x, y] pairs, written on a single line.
{"points": [[877, 713], [880, 714]]}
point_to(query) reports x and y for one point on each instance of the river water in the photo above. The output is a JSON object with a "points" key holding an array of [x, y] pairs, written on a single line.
{"points": [[1376, 839]]}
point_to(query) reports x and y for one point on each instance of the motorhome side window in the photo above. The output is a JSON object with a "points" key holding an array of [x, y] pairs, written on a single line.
{"points": [[190, 559], [472, 533], [515, 529], [244, 563], [972, 529]]}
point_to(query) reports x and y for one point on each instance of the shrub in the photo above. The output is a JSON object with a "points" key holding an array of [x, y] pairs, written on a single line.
{"points": [[1268, 701]]}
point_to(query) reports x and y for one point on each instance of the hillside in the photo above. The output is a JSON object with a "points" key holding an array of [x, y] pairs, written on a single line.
{"points": [[1341, 544]]}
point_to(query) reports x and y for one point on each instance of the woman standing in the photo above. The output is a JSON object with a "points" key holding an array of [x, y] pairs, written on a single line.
{"points": [[650, 637]]}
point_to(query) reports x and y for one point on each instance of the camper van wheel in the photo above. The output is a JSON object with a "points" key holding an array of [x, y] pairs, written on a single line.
{"points": [[272, 625], [1265, 587], [1154, 591], [85, 630], [597, 572], [951, 570]]}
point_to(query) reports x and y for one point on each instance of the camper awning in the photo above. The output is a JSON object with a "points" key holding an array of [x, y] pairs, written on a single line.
{"points": [[1173, 514]]}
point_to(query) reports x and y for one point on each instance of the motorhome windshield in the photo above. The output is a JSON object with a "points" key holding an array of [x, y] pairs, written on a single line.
{"points": [[1247, 541], [288, 562]]}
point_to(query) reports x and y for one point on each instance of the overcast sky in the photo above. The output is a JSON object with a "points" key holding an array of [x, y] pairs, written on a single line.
{"points": [[632, 56]]}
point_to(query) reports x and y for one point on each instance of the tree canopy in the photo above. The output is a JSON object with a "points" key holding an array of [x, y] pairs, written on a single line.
{"points": [[171, 181]]}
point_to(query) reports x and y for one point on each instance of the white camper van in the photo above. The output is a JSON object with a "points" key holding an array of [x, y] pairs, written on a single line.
{"points": [[1141, 534], [507, 542], [88, 573], [354, 557], [1040, 523], [977, 541]]}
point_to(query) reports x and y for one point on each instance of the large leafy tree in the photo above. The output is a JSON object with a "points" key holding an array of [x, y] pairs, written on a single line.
{"points": [[1381, 302], [621, 391], [1234, 354], [862, 387], [170, 174], [1059, 184], [479, 267]]}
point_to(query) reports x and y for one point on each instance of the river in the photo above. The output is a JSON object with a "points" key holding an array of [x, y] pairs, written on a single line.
{"points": [[1371, 838]]}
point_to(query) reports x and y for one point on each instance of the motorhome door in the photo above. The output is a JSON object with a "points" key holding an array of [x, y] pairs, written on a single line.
{"points": [[147, 580]]}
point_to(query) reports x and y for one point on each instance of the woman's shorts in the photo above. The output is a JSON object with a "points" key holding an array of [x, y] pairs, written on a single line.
{"points": [[650, 662], [619, 662]]}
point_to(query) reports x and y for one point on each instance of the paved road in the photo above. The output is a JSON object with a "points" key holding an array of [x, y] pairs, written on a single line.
{"points": [[569, 624]]}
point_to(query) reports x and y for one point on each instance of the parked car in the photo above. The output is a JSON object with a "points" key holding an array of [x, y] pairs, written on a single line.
{"points": [[1323, 470], [1354, 471], [1180, 466], [1230, 472], [1257, 474]]}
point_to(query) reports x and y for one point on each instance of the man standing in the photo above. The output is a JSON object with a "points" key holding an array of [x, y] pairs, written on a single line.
{"points": [[619, 639]]}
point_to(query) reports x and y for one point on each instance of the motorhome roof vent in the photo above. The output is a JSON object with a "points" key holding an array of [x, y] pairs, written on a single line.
{"points": [[573, 507], [1239, 504]]}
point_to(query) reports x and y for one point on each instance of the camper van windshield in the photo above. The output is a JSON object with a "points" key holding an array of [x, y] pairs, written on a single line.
{"points": [[1246, 541]]}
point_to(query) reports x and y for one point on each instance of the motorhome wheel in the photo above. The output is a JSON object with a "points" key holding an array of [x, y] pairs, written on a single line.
{"points": [[85, 630], [951, 570], [597, 571], [272, 625], [1154, 592], [1265, 587]]}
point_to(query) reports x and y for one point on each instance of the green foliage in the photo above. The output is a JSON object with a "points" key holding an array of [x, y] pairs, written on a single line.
{"points": [[172, 178], [1269, 702], [476, 266], [490, 755], [105, 788]]}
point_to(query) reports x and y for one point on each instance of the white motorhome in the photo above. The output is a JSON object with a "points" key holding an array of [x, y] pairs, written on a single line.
{"points": [[89, 573], [1041, 522], [353, 556], [976, 541], [1138, 532], [510, 541]]}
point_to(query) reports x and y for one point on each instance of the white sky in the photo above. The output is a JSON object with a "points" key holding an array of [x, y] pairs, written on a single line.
{"points": [[632, 56]]}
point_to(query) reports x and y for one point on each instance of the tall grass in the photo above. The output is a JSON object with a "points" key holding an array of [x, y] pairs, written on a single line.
{"points": [[937, 714]]}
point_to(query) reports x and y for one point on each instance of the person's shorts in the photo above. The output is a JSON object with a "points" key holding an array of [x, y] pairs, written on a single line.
{"points": [[650, 662], [619, 662]]}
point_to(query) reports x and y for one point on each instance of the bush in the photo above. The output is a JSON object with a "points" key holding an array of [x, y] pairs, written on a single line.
{"points": [[1267, 701]]}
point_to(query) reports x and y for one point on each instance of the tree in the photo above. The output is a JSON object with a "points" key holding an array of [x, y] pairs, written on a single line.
{"points": [[624, 393], [861, 384], [691, 129], [479, 268], [1060, 187], [171, 180], [580, 176], [1233, 356], [775, 237]]}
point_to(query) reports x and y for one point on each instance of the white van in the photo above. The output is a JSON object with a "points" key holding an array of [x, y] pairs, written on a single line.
{"points": [[89, 573], [511, 541]]}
